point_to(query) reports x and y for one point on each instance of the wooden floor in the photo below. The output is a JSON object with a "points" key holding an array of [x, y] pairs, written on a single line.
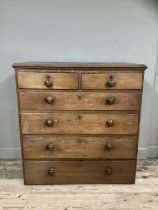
{"points": [[143, 195]]}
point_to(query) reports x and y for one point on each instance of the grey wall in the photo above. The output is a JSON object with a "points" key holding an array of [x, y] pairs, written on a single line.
{"points": [[73, 30]]}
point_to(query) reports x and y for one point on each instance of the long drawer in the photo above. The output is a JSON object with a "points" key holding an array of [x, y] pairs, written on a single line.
{"points": [[79, 123], [79, 147], [79, 172], [48, 100]]}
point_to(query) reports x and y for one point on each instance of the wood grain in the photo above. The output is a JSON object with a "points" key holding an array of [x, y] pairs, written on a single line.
{"points": [[79, 123], [79, 147], [123, 80], [35, 100], [79, 172], [36, 80]]}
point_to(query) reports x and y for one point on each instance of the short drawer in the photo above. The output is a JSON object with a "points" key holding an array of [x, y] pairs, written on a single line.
{"points": [[79, 147], [79, 172], [112, 80], [48, 100], [79, 123], [39, 80]]}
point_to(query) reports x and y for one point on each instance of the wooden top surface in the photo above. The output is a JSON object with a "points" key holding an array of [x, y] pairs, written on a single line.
{"points": [[49, 65]]}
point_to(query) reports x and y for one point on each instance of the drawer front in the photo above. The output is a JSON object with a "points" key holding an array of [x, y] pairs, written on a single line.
{"points": [[79, 172], [79, 147], [112, 80], [47, 80], [79, 123], [35, 100]]}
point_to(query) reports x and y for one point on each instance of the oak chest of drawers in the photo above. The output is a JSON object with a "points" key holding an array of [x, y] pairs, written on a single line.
{"points": [[79, 122]]}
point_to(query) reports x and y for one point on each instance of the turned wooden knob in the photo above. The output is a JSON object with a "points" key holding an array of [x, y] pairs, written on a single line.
{"points": [[50, 147], [110, 100], [50, 123], [108, 146], [108, 171], [48, 83], [49, 99], [110, 123], [111, 82], [51, 171]]}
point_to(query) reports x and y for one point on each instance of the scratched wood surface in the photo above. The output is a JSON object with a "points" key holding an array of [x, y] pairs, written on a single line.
{"points": [[143, 195]]}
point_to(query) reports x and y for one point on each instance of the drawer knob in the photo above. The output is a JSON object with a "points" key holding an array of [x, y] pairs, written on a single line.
{"points": [[108, 171], [108, 146], [48, 83], [51, 171], [50, 123], [50, 147], [110, 101], [110, 123], [111, 82], [49, 99]]}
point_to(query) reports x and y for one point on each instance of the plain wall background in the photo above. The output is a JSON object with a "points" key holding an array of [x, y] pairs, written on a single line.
{"points": [[78, 30]]}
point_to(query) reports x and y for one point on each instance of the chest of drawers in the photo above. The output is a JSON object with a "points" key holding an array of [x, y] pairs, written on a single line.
{"points": [[79, 122]]}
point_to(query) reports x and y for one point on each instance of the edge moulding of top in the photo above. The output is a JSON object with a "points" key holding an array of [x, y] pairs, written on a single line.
{"points": [[48, 65]]}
